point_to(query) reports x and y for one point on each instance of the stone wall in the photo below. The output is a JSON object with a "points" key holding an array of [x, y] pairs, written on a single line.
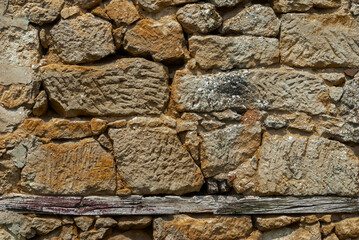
{"points": [[182, 97]]}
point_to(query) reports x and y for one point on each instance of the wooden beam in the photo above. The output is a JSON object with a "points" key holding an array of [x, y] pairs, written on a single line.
{"points": [[140, 205]]}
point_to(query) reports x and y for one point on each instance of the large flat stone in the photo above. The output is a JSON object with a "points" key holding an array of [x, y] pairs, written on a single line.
{"points": [[226, 53], [83, 39], [156, 5], [152, 160], [71, 168], [319, 41], [9, 119], [304, 166], [130, 86], [273, 89]]}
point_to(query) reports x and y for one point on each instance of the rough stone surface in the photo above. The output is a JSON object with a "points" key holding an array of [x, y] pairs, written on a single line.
{"points": [[53, 169], [162, 40], [129, 86], [226, 53], [199, 18], [255, 20], [44, 11], [270, 223], [248, 89], [17, 225], [85, 38], [286, 6], [307, 232], [225, 3], [41, 104], [84, 222], [349, 101], [347, 228], [45, 225], [122, 12], [133, 222], [318, 41], [132, 235], [327, 3], [70, 12], [105, 222], [156, 5], [9, 119], [186, 227], [87, 3], [304, 166], [9, 176], [95, 234], [153, 161], [223, 150], [16, 95]]}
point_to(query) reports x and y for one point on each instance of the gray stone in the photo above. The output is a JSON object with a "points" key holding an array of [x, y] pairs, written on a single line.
{"points": [[129, 86], [319, 41], [42, 11], [227, 115], [339, 129], [211, 186], [349, 101], [156, 5], [199, 18], [153, 161], [17, 225], [250, 89], [335, 93], [84, 222], [286, 6], [9, 119], [95, 234], [9, 176], [70, 12], [13, 74], [306, 232], [44, 225], [333, 78], [255, 20], [105, 222], [226, 53], [225, 3], [354, 8], [275, 122], [85, 38]]}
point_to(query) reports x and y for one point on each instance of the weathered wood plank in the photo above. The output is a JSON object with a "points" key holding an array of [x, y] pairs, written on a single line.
{"points": [[139, 205]]}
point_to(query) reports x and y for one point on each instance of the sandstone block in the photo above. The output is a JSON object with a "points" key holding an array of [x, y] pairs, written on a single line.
{"points": [[225, 3], [156, 5], [153, 161], [250, 89], [347, 228], [349, 101], [306, 232], [162, 40], [87, 3], [16, 95], [202, 228], [44, 225], [133, 222], [122, 12], [9, 176], [17, 225], [327, 3], [71, 168], [130, 86], [318, 41], [41, 104], [9, 119], [44, 11], [85, 38], [286, 6], [199, 18], [270, 223], [226, 53], [132, 235], [255, 20], [84, 222]]}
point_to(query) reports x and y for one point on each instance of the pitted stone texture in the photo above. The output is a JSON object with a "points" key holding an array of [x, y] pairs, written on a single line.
{"points": [[17, 225], [129, 86], [226, 53], [302, 166], [9, 176], [72, 168], [225, 3], [19, 47], [42, 11], [319, 41], [153, 161], [199, 18], [306, 232], [223, 150], [9, 119], [255, 20], [347, 228], [44, 225], [349, 104], [156, 5], [16, 95], [82, 39], [162, 40], [275, 89], [270, 223], [122, 12], [185, 227], [286, 6], [87, 3]]}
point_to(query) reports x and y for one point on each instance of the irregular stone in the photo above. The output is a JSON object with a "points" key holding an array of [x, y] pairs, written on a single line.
{"points": [[9, 119], [349, 101], [129, 86], [309, 165], [105, 142], [256, 20], [156, 5], [326, 218], [224, 187], [347, 228], [132, 235], [5, 235], [275, 122], [67, 220], [98, 126], [162, 40], [85, 38], [117, 124], [17, 225], [243, 178], [84, 222], [9, 176], [13, 74], [332, 44], [307, 232], [211, 124], [339, 129], [333, 78], [118, 35], [133, 222], [19, 47], [41, 104], [192, 143], [85, 4], [183, 125], [199, 18], [335, 93], [15, 95], [331, 237], [354, 8], [326, 229], [70, 12], [211, 186], [122, 12], [226, 53], [100, 12], [57, 128], [153, 161], [191, 117], [44, 225], [286, 6], [223, 150], [53, 169], [44, 11], [95, 234], [250, 89], [202, 228], [18, 153], [302, 122], [327, 3], [309, 219], [225, 3], [270, 223], [105, 222], [227, 115]]}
